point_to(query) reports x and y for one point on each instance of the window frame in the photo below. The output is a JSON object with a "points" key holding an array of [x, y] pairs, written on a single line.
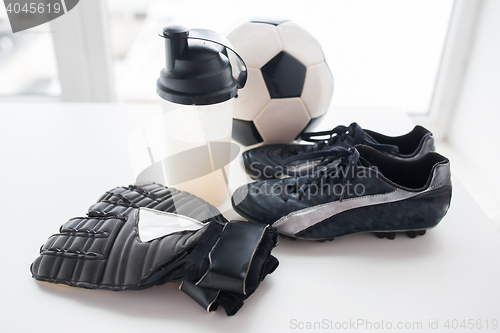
{"points": [[83, 54], [454, 59]]}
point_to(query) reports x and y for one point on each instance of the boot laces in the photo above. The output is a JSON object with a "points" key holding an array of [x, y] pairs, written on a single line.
{"points": [[337, 162]]}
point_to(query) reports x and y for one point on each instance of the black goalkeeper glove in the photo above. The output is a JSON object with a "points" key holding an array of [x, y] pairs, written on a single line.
{"points": [[139, 236]]}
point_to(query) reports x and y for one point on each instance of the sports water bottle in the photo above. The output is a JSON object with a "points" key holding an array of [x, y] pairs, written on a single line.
{"points": [[197, 87]]}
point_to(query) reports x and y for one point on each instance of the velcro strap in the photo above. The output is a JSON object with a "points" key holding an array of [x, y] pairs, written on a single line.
{"points": [[232, 261], [203, 296], [232, 255]]}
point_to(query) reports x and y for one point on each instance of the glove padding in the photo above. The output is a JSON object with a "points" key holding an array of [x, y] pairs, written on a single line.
{"points": [[220, 263]]}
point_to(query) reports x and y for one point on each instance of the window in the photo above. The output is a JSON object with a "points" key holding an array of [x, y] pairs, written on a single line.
{"points": [[383, 53], [27, 62]]}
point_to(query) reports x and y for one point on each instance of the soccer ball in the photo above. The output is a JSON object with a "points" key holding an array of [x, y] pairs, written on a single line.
{"points": [[289, 84]]}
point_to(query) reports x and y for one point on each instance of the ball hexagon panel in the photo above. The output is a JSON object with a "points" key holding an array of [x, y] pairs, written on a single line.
{"points": [[300, 44], [245, 132], [284, 76], [318, 89], [252, 99], [313, 123], [256, 43], [282, 119]]}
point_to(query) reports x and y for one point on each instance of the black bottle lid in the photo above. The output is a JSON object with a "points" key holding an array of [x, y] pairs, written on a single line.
{"points": [[197, 72]]}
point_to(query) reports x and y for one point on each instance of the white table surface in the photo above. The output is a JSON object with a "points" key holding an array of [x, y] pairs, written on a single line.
{"points": [[57, 159]]}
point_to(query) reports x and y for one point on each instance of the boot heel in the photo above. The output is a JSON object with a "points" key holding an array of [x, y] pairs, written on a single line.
{"points": [[415, 233], [388, 235]]}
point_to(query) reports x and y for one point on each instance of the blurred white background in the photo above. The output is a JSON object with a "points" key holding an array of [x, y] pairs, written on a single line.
{"points": [[434, 59], [383, 53]]}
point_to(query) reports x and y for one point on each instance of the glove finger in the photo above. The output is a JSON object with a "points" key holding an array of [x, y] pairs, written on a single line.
{"points": [[157, 197], [76, 255]]}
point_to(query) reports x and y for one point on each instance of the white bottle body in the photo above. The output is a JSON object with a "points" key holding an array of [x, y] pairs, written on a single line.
{"points": [[196, 126]]}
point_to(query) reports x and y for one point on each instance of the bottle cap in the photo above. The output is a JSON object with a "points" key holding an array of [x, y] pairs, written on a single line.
{"points": [[197, 67]]}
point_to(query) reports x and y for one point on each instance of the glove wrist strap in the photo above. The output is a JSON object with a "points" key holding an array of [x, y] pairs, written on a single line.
{"points": [[238, 261], [231, 257]]}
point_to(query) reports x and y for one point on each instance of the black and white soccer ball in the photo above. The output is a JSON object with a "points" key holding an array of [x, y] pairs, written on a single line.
{"points": [[289, 84]]}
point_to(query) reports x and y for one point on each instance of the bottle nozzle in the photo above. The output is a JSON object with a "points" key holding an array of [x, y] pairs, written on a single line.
{"points": [[175, 43]]}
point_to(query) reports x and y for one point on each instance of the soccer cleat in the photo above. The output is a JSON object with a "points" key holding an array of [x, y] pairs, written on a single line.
{"points": [[265, 162], [353, 190]]}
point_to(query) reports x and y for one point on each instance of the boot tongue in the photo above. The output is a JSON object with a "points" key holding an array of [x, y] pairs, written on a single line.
{"points": [[361, 137], [370, 138], [349, 140]]}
